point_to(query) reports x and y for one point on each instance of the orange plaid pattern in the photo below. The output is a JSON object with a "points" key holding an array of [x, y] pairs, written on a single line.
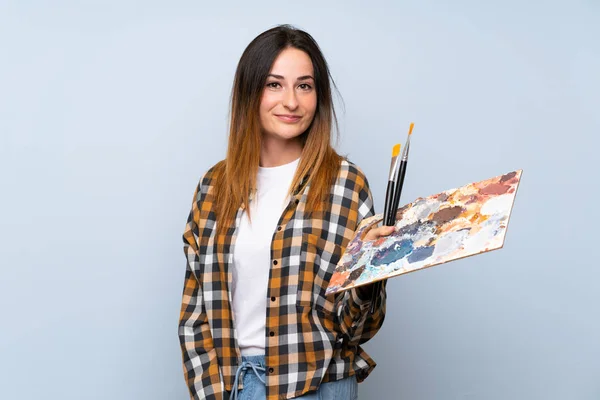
{"points": [[309, 338]]}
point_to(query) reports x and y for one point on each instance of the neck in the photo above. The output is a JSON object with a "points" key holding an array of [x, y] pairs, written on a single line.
{"points": [[276, 152]]}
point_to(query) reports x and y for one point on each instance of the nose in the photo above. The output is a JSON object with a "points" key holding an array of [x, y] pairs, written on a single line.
{"points": [[289, 100]]}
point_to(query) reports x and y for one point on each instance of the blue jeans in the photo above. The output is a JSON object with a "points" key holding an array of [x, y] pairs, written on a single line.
{"points": [[252, 371]]}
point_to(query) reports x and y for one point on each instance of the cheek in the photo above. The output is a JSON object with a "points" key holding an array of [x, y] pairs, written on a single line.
{"points": [[267, 102], [263, 111], [310, 104]]}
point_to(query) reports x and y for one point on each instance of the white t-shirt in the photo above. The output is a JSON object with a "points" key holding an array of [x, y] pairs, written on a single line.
{"points": [[252, 256]]}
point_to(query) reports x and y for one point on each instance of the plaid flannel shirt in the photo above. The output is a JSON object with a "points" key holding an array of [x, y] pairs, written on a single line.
{"points": [[309, 338]]}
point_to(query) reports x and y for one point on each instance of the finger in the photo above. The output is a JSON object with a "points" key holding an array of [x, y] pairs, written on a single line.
{"points": [[375, 233], [384, 230], [371, 235]]}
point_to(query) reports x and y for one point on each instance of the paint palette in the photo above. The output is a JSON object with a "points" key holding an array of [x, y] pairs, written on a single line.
{"points": [[454, 224]]}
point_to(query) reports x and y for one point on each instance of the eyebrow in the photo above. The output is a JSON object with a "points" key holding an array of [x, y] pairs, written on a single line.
{"points": [[301, 78]]}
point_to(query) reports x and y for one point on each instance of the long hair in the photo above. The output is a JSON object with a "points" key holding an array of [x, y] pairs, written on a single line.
{"points": [[236, 175]]}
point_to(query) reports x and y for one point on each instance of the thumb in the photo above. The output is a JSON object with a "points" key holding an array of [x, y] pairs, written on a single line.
{"points": [[375, 233]]}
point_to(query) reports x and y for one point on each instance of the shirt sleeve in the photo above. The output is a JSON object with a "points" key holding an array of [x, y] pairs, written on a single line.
{"points": [[356, 321], [200, 362]]}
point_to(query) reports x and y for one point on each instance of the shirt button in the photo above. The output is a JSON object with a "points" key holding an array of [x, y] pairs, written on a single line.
{"points": [[272, 298], [274, 262], [271, 370], [272, 334], [279, 228]]}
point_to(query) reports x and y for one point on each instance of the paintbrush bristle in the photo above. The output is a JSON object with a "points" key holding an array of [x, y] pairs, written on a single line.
{"points": [[395, 161], [412, 124]]}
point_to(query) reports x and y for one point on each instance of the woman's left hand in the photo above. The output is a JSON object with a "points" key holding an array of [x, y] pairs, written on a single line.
{"points": [[373, 234], [376, 233]]}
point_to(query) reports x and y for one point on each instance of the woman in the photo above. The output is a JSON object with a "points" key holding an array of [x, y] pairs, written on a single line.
{"points": [[268, 225]]}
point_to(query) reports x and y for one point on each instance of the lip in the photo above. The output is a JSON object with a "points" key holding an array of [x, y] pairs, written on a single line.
{"points": [[288, 117]]}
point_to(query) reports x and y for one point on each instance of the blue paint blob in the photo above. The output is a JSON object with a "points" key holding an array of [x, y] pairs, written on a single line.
{"points": [[421, 253], [410, 229], [417, 228], [392, 253]]}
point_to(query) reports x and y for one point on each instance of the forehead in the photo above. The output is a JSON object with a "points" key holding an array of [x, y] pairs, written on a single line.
{"points": [[292, 63]]}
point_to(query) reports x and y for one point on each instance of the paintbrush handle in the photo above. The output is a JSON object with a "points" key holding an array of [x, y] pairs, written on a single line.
{"points": [[391, 208], [389, 218], [397, 193], [388, 215], [389, 202], [374, 297]]}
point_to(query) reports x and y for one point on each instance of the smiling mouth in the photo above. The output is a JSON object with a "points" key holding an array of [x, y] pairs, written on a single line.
{"points": [[289, 118]]}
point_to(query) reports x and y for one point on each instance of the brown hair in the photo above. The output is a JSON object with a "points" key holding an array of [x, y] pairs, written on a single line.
{"points": [[236, 175]]}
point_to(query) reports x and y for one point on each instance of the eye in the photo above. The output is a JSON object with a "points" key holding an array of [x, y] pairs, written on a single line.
{"points": [[272, 84], [305, 86]]}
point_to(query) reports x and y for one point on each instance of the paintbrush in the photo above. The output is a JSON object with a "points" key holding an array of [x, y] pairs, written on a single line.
{"points": [[389, 217], [401, 173], [391, 186], [388, 210]]}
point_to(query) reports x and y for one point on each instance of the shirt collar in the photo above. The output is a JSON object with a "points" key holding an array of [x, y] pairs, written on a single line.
{"points": [[295, 193]]}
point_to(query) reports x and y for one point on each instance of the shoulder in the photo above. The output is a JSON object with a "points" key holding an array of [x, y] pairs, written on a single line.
{"points": [[351, 174], [208, 179], [212, 174], [355, 186]]}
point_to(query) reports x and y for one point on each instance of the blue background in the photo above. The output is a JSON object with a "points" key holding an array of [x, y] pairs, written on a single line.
{"points": [[111, 111]]}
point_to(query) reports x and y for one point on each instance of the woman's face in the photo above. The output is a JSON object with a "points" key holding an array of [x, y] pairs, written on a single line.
{"points": [[289, 98]]}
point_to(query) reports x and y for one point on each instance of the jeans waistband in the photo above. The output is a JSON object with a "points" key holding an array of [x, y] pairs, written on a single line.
{"points": [[255, 364], [256, 360]]}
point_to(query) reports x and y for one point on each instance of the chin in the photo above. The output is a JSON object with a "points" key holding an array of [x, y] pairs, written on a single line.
{"points": [[289, 137], [287, 134]]}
